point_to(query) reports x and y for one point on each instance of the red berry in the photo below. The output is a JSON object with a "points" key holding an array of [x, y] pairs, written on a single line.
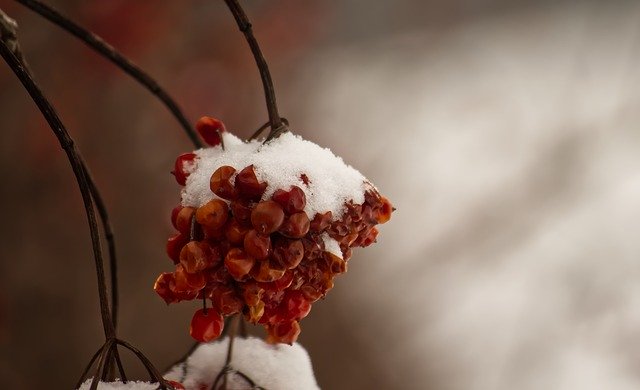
{"points": [[162, 287], [241, 211], [183, 220], [367, 237], [294, 305], [234, 232], [213, 214], [257, 245], [296, 226], [210, 129], [285, 332], [238, 263], [175, 244], [267, 217], [266, 271], [384, 213], [255, 312], [335, 263], [198, 256], [320, 222], [174, 215], [288, 253], [220, 183], [252, 293], [292, 201], [183, 161], [188, 282], [225, 300], [247, 184], [206, 325]]}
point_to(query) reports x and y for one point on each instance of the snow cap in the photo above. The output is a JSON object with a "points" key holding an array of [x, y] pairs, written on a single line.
{"points": [[281, 163]]}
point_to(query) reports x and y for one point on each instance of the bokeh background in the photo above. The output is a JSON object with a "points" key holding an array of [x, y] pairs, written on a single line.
{"points": [[507, 134]]}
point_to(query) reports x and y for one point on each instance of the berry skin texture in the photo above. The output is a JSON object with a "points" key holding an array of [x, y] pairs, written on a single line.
{"points": [[220, 183], [196, 256], [267, 217], [292, 201], [248, 185], [238, 263], [257, 245], [213, 214], [206, 325], [174, 215], [296, 226], [183, 220], [175, 244], [210, 129], [286, 333]]}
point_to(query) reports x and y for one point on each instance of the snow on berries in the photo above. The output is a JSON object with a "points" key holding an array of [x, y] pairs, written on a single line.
{"points": [[263, 229]]}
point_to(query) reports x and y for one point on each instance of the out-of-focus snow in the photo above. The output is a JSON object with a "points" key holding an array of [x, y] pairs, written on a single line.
{"points": [[511, 148], [273, 367], [281, 163], [131, 385]]}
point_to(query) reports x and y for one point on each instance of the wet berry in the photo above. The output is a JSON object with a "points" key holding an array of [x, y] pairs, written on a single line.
{"points": [[267, 217], [248, 185], [295, 226], [213, 214], [256, 245], [210, 129], [206, 325], [292, 201], [220, 183]]}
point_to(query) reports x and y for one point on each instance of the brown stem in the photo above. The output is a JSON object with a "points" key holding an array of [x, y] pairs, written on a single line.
{"points": [[257, 133], [101, 363], [154, 374], [67, 145], [111, 244], [86, 370], [277, 125], [9, 35], [109, 52]]}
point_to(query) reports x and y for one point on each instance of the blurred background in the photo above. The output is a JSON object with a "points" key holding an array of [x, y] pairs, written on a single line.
{"points": [[507, 134]]}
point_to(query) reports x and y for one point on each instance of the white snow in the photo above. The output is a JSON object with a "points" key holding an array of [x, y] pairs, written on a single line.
{"points": [[131, 385], [273, 367], [281, 163], [331, 245]]}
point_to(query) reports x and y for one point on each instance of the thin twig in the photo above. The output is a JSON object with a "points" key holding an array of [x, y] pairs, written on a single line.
{"points": [[116, 354], [257, 133], [153, 372], [101, 363], [109, 52], [86, 370], [111, 244], [277, 126], [9, 35], [67, 145]]}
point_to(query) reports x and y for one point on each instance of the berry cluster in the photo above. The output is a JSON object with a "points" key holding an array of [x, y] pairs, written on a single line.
{"points": [[264, 258]]}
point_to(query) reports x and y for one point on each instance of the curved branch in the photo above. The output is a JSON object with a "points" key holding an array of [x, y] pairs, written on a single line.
{"points": [[111, 244], [109, 52], [277, 125], [76, 164]]}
